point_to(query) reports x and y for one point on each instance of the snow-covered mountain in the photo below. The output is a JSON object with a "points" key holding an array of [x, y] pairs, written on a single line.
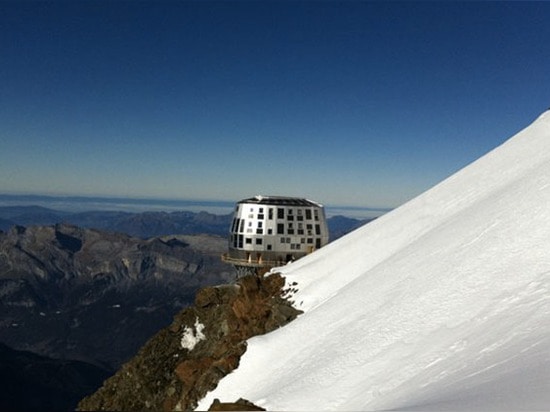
{"points": [[443, 303]]}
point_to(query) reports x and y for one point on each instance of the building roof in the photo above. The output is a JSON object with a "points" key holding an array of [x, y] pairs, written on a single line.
{"points": [[280, 201]]}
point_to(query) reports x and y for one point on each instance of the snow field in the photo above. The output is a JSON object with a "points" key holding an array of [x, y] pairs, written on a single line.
{"points": [[443, 303]]}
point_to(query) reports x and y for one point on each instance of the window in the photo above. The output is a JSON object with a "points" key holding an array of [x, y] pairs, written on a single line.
{"points": [[241, 241], [241, 229], [316, 214], [280, 228], [259, 241], [259, 231], [300, 216], [268, 247], [270, 213], [280, 213], [308, 214], [248, 241], [310, 241], [261, 213], [317, 229], [269, 231]]}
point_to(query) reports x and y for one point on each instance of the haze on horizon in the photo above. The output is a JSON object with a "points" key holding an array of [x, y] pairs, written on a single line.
{"points": [[348, 103]]}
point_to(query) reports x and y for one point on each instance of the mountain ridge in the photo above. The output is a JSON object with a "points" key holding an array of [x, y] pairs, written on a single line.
{"points": [[145, 224], [441, 304], [61, 284], [178, 365]]}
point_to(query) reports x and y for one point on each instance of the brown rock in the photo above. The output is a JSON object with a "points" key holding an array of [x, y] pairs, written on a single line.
{"points": [[166, 376], [240, 405]]}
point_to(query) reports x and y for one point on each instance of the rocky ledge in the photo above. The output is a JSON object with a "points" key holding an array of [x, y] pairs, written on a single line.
{"points": [[205, 342]]}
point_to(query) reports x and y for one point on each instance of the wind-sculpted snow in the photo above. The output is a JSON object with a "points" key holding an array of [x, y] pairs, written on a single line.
{"points": [[443, 303]]}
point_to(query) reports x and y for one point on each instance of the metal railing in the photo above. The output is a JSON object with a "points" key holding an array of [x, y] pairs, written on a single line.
{"points": [[252, 262]]}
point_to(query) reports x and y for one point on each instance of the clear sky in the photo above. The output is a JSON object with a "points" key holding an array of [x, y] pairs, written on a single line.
{"points": [[347, 103]]}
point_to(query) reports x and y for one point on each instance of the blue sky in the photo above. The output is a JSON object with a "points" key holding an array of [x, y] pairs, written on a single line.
{"points": [[347, 103]]}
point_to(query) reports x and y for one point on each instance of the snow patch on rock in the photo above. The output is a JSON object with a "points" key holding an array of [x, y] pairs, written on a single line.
{"points": [[192, 335]]}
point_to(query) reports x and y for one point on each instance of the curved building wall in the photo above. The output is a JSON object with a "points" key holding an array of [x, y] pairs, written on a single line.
{"points": [[269, 231]]}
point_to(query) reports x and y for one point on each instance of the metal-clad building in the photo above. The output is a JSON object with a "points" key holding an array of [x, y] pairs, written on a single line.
{"points": [[269, 231]]}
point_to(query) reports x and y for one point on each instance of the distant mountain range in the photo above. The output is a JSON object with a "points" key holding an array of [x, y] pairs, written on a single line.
{"points": [[145, 224], [96, 296]]}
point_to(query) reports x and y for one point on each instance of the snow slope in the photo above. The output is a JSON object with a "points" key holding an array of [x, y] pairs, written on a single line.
{"points": [[443, 303]]}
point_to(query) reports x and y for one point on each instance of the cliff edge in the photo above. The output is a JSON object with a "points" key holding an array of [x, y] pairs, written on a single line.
{"points": [[184, 361]]}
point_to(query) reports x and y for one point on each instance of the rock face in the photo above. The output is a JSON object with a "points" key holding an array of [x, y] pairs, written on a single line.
{"points": [[96, 296], [240, 405], [204, 343]]}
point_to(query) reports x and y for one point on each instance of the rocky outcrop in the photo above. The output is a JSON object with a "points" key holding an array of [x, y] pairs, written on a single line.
{"points": [[184, 361], [240, 405], [143, 225], [73, 293]]}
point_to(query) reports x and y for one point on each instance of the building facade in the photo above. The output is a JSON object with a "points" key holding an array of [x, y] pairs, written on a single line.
{"points": [[269, 231]]}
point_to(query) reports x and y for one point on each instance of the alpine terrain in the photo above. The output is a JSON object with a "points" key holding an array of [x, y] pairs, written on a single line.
{"points": [[441, 304], [83, 294]]}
